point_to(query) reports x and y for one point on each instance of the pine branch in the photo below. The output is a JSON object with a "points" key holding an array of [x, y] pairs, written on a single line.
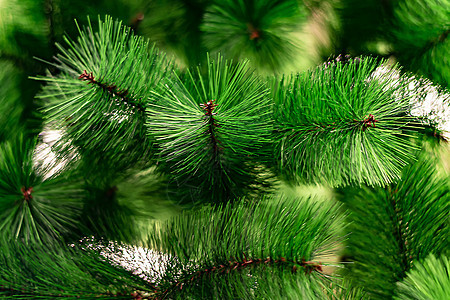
{"points": [[419, 33], [394, 228], [427, 280], [261, 31], [212, 131], [99, 97], [45, 272], [34, 209], [112, 91], [255, 265], [268, 250], [343, 123]]}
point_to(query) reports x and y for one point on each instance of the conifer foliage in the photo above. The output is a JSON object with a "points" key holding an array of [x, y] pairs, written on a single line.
{"points": [[429, 280], [232, 259], [33, 208], [342, 106], [257, 30], [213, 130], [397, 226], [191, 166], [423, 27], [102, 90]]}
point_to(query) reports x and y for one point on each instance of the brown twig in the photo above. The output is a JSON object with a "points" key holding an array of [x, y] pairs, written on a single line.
{"points": [[112, 90], [230, 266]]}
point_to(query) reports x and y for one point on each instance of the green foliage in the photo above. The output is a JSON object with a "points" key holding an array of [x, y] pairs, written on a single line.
{"points": [[23, 30], [230, 241], [420, 37], [344, 290], [174, 25], [361, 24], [49, 272], [427, 280], [431, 106], [32, 208], [99, 97], [393, 228], [261, 31], [324, 131], [10, 102], [266, 250], [105, 216], [212, 131], [137, 138], [63, 12], [116, 208]]}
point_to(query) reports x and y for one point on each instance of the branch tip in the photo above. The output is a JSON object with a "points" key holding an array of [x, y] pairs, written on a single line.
{"points": [[26, 192]]}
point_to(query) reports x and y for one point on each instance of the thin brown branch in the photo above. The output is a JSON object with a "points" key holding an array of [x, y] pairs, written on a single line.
{"points": [[234, 266], [112, 90]]}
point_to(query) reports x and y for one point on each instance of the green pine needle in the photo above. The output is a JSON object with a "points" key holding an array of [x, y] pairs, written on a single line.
{"points": [[119, 209], [419, 33], [105, 216], [392, 229], [24, 30], [341, 123], [428, 280], [261, 31], [69, 272], [343, 290], [100, 95], [34, 209], [266, 250], [212, 131], [11, 106]]}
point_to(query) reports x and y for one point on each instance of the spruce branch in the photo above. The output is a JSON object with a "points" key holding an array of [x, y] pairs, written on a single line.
{"points": [[269, 249], [100, 94], [394, 228], [212, 131], [342, 124]]}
